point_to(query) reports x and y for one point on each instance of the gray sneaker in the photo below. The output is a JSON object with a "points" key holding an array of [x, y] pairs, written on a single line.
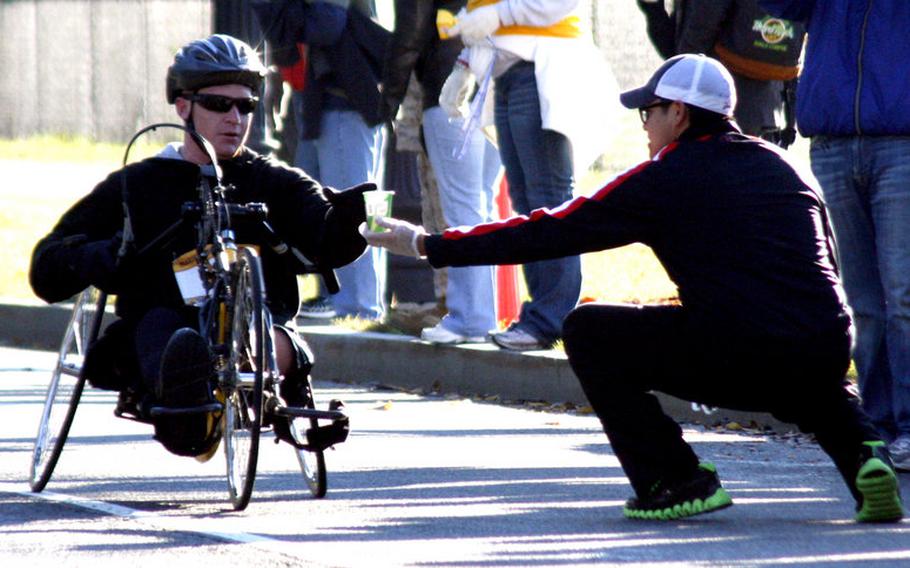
{"points": [[900, 452], [443, 336], [517, 339], [317, 308]]}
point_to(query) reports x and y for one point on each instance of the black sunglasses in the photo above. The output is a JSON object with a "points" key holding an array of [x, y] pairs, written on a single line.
{"points": [[222, 104], [645, 112]]}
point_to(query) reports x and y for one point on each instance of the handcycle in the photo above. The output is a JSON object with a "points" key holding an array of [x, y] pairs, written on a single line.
{"points": [[236, 323]]}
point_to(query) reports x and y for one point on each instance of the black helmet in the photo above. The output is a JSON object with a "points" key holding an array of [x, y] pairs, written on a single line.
{"points": [[216, 60]]}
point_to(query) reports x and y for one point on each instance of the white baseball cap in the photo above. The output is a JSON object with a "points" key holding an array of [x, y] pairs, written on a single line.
{"points": [[691, 78]]}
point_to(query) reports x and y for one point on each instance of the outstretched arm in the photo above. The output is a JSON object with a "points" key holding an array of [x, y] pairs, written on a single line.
{"points": [[621, 212]]}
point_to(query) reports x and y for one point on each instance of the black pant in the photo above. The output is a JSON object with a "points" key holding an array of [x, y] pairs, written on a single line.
{"points": [[620, 353]]}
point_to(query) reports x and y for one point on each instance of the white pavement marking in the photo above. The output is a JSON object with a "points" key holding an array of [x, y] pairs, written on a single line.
{"points": [[144, 517]]}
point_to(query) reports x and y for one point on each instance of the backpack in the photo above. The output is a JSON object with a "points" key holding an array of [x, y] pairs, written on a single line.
{"points": [[760, 46]]}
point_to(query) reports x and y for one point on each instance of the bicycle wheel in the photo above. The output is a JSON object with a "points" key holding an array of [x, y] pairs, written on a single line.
{"points": [[243, 393], [312, 463], [66, 385]]}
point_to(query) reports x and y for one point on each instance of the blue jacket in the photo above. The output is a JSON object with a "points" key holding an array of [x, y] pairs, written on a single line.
{"points": [[856, 79]]}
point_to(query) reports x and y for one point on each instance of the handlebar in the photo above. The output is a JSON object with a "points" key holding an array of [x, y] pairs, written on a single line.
{"points": [[192, 212]]}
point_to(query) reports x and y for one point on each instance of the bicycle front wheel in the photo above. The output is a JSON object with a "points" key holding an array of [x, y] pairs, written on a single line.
{"points": [[243, 404], [66, 385]]}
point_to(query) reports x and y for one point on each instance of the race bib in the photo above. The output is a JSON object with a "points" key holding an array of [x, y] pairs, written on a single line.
{"points": [[189, 279], [189, 276]]}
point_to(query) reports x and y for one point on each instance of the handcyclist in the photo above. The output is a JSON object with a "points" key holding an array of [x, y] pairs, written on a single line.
{"points": [[762, 323], [153, 353]]}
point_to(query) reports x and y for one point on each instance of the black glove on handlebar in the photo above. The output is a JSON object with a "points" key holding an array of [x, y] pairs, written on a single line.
{"points": [[348, 203]]}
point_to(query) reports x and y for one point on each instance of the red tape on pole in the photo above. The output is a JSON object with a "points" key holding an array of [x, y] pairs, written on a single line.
{"points": [[507, 303]]}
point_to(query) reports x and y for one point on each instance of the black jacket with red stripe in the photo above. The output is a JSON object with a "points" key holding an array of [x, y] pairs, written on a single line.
{"points": [[739, 231]]}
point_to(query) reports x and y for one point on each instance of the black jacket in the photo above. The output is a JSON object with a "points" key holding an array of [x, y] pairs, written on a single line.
{"points": [[737, 229], [695, 26], [415, 46], [299, 211], [346, 53]]}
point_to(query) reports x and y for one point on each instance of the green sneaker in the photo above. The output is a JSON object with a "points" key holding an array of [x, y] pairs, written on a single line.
{"points": [[878, 484], [665, 502]]}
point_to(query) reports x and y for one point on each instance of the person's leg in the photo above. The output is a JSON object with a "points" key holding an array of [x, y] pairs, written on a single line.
{"points": [[820, 401], [176, 368], [835, 162], [759, 107], [295, 361], [889, 191], [306, 157], [539, 170], [110, 364], [350, 153], [619, 353], [465, 201], [153, 332]]}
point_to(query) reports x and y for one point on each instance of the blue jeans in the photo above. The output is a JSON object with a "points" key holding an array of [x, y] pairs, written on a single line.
{"points": [[347, 153], [466, 195], [538, 166], [866, 183]]}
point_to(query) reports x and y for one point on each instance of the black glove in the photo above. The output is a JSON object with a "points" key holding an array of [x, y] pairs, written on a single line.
{"points": [[348, 203], [97, 262]]}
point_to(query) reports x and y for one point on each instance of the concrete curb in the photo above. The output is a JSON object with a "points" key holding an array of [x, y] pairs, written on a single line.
{"points": [[406, 362]]}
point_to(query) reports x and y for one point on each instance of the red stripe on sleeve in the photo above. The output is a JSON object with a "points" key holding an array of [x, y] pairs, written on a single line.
{"points": [[560, 212]]}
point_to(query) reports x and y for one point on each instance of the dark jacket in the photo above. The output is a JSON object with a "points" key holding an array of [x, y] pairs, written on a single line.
{"points": [[695, 26], [299, 211], [735, 226], [856, 76], [415, 46], [346, 53]]}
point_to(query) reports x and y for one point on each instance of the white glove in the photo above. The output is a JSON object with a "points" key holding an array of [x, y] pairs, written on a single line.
{"points": [[401, 237], [453, 97], [476, 25]]}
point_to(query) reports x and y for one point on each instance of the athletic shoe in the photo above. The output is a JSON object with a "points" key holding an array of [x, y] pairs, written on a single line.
{"points": [[317, 308], [295, 390], [676, 500], [186, 371], [443, 336], [878, 484], [900, 452], [517, 339], [185, 381]]}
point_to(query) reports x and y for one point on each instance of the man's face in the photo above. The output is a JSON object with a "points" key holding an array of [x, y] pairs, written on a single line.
{"points": [[660, 122], [226, 131]]}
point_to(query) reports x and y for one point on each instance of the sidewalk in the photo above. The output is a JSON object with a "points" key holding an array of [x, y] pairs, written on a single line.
{"points": [[405, 362]]}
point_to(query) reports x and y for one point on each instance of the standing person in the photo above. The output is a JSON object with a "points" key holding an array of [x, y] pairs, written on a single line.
{"points": [[853, 102], [465, 179], [340, 129], [762, 54], [762, 323], [547, 111], [153, 353]]}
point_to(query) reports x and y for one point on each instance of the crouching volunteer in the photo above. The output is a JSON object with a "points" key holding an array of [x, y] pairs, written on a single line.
{"points": [[761, 325]]}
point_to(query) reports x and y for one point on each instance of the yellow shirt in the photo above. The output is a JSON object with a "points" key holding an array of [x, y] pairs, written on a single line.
{"points": [[567, 27]]}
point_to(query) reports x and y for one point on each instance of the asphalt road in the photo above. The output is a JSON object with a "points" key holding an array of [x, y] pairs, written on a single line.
{"points": [[421, 481]]}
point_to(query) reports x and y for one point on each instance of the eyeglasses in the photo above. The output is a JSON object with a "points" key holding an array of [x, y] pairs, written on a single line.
{"points": [[645, 112], [222, 104]]}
